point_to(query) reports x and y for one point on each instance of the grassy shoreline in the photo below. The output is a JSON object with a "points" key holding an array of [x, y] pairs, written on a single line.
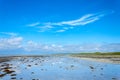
{"points": [[112, 57], [98, 55]]}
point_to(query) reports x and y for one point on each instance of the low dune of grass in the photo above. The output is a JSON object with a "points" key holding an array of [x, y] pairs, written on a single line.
{"points": [[98, 55]]}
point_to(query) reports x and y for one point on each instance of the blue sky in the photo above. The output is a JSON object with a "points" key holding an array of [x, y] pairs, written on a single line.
{"points": [[57, 26]]}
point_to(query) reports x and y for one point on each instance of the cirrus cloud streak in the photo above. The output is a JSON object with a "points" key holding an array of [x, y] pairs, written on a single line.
{"points": [[60, 26]]}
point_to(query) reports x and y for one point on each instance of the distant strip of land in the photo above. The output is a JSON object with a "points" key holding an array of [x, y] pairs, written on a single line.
{"points": [[98, 55], [113, 57]]}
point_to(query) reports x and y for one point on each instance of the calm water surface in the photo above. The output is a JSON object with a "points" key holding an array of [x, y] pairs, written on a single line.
{"points": [[57, 68]]}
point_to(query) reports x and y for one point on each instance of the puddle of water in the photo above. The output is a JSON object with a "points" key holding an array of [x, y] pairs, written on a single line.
{"points": [[57, 68]]}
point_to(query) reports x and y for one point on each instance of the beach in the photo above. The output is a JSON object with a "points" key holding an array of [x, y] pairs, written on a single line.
{"points": [[64, 67], [100, 58]]}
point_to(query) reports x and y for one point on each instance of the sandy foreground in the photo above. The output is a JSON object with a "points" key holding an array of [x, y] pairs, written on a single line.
{"points": [[57, 67], [100, 58], [103, 60], [4, 59]]}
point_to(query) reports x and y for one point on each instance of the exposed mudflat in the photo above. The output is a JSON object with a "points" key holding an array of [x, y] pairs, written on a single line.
{"points": [[58, 68], [99, 58]]}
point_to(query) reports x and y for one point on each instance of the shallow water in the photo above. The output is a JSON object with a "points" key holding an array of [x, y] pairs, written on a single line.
{"points": [[57, 68]]}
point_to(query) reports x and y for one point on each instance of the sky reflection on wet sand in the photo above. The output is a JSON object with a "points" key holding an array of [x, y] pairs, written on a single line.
{"points": [[57, 68]]}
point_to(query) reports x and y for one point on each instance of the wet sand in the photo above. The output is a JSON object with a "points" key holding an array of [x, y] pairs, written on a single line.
{"points": [[100, 58], [57, 68], [4, 59]]}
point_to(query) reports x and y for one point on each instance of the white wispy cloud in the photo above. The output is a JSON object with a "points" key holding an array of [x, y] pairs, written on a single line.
{"points": [[84, 20], [33, 24], [18, 44], [45, 28], [9, 33], [63, 30], [81, 21], [10, 43]]}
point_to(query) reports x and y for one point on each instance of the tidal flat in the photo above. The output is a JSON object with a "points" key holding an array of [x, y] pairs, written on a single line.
{"points": [[64, 67]]}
